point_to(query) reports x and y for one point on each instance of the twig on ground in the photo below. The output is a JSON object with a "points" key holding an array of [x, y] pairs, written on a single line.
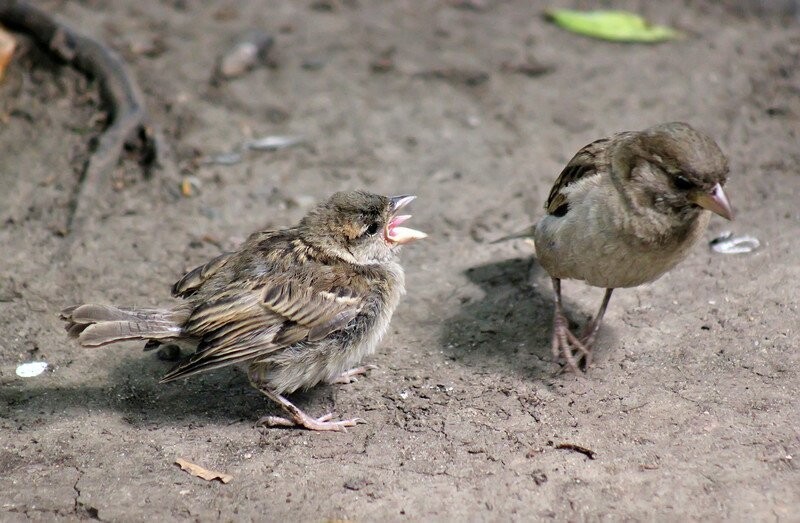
{"points": [[120, 93], [577, 448]]}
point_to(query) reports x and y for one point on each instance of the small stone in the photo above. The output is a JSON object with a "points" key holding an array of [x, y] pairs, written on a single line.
{"points": [[169, 353], [355, 484]]}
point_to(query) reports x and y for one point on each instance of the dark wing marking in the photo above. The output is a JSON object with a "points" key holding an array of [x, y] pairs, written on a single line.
{"points": [[245, 324], [586, 162], [195, 278]]}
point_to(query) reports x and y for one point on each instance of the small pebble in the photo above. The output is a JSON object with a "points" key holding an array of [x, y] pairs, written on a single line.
{"points": [[249, 50], [189, 186], [149, 46], [169, 353], [273, 143], [355, 484]]}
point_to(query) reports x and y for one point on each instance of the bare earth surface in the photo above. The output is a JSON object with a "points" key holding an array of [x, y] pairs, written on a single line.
{"points": [[691, 407]]}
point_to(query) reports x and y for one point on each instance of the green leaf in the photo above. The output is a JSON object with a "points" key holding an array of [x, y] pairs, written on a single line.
{"points": [[616, 26]]}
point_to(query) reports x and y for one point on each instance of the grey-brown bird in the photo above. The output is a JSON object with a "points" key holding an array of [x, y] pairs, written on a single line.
{"points": [[625, 210], [300, 306]]}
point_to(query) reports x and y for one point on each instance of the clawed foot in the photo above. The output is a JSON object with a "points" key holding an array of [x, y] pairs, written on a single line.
{"points": [[301, 419], [349, 376], [576, 352], [298, 418]]}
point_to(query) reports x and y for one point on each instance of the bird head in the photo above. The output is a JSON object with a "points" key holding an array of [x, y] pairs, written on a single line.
{"points": [[360, 227], [679, 170]]}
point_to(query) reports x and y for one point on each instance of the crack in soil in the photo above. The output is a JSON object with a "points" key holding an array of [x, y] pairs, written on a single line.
{"points": [[79, 508]]}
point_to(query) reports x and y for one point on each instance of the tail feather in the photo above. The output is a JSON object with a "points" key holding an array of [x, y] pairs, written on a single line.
{"points": [[94, 313], [526, 233], [106, 332], [95, 325]]}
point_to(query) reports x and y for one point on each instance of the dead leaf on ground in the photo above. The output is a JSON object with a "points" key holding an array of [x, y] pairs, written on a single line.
{"points": [[7, 46], [200, 472]]}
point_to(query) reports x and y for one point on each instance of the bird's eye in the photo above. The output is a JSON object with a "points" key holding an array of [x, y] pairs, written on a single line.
{"points": [[373, 228], [683, 184]]}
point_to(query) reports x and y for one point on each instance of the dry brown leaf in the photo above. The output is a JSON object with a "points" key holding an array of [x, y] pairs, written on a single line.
{"points": [[200, 472], [7, 46]]}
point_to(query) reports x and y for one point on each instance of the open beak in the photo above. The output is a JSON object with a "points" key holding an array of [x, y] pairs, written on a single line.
{"points": [[395, 234], [715, 201]]}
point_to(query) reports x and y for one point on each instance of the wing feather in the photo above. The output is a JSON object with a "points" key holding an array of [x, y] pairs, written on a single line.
{"points": [[243, 324], [590, 160], [194, 279]]}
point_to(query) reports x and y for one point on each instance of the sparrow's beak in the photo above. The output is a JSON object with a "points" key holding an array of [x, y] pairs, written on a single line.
{"points": [[715, 201], [393, 232]]}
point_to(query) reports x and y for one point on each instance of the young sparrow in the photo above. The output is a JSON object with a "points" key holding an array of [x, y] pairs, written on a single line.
{"points": [[624, 211], [299, 305]]}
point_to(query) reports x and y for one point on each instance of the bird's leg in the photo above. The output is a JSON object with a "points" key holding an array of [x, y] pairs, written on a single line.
{"points": [[298, 418], [349, 376], [590, 331], [564, 342], [560, 345]]}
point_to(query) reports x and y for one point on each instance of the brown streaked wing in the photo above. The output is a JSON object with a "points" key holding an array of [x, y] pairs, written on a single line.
{"points": [[244, 324], [317, 311], [586, 162]]}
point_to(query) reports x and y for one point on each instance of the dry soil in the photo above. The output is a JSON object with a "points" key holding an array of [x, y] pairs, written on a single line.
{"points": [[691, 407]]}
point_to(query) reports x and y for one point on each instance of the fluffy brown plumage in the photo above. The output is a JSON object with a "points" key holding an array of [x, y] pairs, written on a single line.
{"points": [[300, 305], [624, 211]]}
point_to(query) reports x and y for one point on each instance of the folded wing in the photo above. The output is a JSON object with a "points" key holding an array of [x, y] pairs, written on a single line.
{"points": [[242, 324]]}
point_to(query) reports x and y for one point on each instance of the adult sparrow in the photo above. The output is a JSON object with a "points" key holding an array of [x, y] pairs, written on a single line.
{"points": [[625, 210], [299, 305]]}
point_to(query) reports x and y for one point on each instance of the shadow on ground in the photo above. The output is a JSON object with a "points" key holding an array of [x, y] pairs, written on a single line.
{"points": [[512, 323], [222, 397], [509, 326]]}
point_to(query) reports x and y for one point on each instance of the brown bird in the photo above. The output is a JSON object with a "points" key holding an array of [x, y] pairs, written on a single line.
{"points": [[300, 305], [624, 211]]}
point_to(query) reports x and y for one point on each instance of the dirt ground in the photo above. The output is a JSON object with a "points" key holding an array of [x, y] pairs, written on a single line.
{"points": [[691, 407]]}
